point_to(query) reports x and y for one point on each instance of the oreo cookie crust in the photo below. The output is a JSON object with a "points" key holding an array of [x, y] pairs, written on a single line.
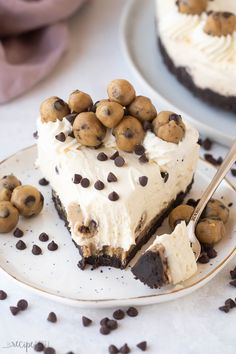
{"points": [[214, 99], [103, 259]]}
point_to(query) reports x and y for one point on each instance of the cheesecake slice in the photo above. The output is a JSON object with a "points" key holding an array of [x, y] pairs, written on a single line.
{"points": [[169, 260], [112, 200]]}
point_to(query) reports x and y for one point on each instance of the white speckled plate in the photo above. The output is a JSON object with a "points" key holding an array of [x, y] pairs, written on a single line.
{"points": [[56, 275], [139, 44]]}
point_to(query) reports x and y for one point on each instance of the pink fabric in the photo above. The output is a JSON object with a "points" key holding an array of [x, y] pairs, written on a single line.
{"points": [[33, 37]]}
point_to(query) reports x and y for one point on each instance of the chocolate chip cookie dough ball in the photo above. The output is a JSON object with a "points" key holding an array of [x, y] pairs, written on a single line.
{"points": [[142, 108], [9, 182], [192, 7], [5, 194], [110, 113], [9, 217], [28, 200], [79, 101], [216, 209], [129, 133], [88, 130], [210, 231], [121, 91], [53, 108], [169, 126], [180, 213], [220, 24]]}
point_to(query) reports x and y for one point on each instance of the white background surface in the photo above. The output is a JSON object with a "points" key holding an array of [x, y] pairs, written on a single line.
{"points": [[190, 325]]}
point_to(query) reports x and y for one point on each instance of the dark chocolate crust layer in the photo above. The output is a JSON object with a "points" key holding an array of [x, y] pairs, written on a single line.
{"points": [[149, 269], [105, 260], [213, 98]]}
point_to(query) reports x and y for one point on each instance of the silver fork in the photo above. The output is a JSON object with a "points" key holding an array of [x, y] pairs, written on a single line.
{"points": [[219, 176]]}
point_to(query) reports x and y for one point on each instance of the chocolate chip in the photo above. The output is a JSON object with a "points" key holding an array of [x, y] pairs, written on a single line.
{"points": [[118, 314], [102, 156], [119, 161], [142, 346], [203, 258], [230, 303], [3, 295], [165, 176], [49, 350], [207, 144], [35, 134], [139, 150], [71, 134], [43, 182], [111, 177], [52, 317], [77, 178], [103, 321], [147, 125], [230, 205], [233, 283], [124, 349], [52, 246], [113, 196], [36, 250], [192, 202], [85, 182], [30, 200], [111, 324], [39, 347], [143, 158], [233, 274], [70, 353], [86, 321], [143, 181], [224, 308], [128, 133], [59, 104], [211, 253], [61, 137], [104, 330], [114, 156], [22, 305], [56, 169], [175, 117], [14, 310], [227, 14], [20, 245], [132, 312], [71, 117], [99, 185], [212, 160], [233, 172], [113, 349], [43, 237], [18, 232]]}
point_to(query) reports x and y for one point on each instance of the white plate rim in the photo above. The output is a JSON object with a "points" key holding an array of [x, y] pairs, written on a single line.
{"points": [[123, 34], [111, 302]]}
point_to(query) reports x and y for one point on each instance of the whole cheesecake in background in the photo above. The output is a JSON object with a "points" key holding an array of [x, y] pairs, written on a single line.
{"points": [[116, 168], [197, 40]]}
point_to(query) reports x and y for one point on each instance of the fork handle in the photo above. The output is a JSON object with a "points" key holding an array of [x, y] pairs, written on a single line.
{"points": [[220, 174]]}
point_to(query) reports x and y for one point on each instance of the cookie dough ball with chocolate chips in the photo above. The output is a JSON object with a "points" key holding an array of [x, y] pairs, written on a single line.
{"points": [[88, 130], [9, 182], [192, 7], [110, 113], [121, 91], [79, 101], [210, 230], [169, 126], [216, 209], [180, 213], [129, 133], [28, 200], [53, 108], [9, 217], [142, 108], [220, 24]]}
